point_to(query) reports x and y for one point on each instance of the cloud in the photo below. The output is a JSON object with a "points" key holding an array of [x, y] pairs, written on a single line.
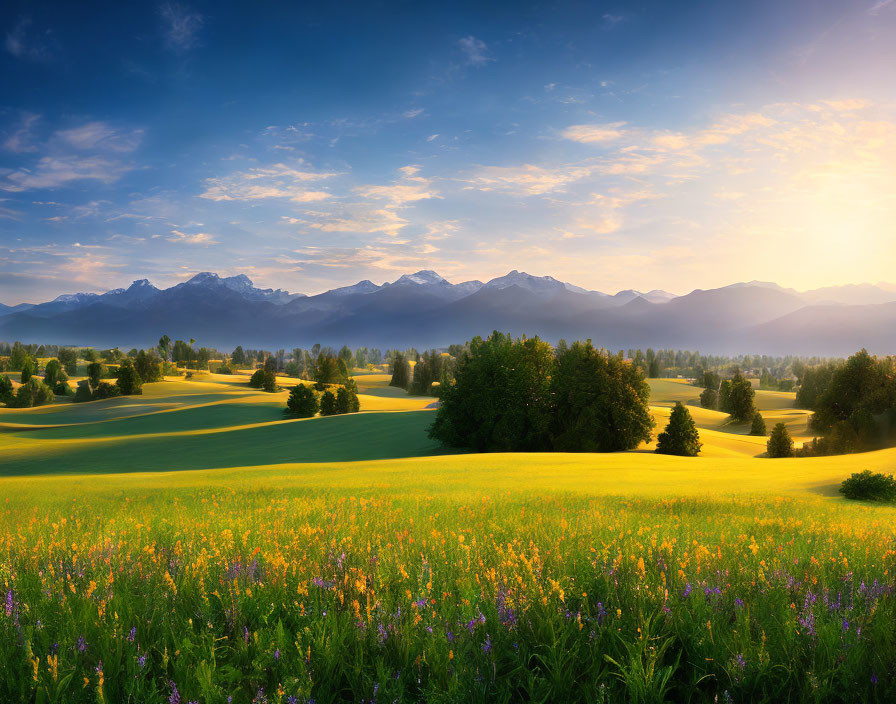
{"points": [[528, 179], [588, 134], [275, 181], [55, 172], [196, 238], [101, 136], [474, 50], [411, 114], [22, 139], [26, 45], [409, 189], [876, 8], [181, 26]]}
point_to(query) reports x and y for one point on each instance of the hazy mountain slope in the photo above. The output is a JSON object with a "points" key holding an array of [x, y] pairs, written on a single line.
{"points": [[425, 310]]}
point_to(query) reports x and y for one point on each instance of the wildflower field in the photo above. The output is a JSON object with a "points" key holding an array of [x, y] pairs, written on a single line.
{"points": [[300, 576], [213, 588]]}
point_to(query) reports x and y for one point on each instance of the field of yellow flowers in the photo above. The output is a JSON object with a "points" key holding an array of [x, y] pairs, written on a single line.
{"points": [[148, 590]]}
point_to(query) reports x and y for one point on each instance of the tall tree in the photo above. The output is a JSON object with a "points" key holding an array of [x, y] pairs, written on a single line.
{"points": [[302, 402], [129, 381], [401, 372], [780, 444], [680, 436], [500, 398], [598, 402]]}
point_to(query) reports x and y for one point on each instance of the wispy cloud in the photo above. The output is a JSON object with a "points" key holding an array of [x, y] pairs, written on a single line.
{"points": [[876, 8], [196, 238], [54, 172], [101, 136], [22, 138], [528, 179], [275, 181], [595, 133], [474, 50], [181, 26], [25, 43]]}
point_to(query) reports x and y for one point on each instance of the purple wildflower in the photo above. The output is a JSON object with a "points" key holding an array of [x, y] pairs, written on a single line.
{"points": [[141, 661], [175, 695], [133, 634], [277, 655], [738, 603], [9, 603], [687, 590], [82, 644], [487, 646]]}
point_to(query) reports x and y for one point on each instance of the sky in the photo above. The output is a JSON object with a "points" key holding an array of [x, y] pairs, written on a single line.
{"points": [[672, 145]]}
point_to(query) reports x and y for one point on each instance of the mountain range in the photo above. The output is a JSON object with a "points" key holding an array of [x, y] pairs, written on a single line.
{"points": [[425, 310]]}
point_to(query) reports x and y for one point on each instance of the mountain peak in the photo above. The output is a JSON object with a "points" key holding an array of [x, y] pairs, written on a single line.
{"points": [[139, 284], [204, 277], [424, 276]]}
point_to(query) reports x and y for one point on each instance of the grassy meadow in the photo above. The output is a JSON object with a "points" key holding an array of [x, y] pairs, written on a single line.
{"points": [[193, 545]]}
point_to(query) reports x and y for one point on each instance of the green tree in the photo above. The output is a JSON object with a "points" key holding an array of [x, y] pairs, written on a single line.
{"points": [[83, 393], [17, 357], [256, 381], [106, 390], [780, 444], [598, 402], [401, 372], [740, 397], [129, 381], [53, 373], [29, 369], [148, 366], [328, 404], [302, 402], [239, 356], [7, 395], [165, 348], [68, 357], [680, 436], [347, 357], [34, 392], [94, 372], [758, 426], [653, 368], [500, 400], [269, 383], [709, 398]]}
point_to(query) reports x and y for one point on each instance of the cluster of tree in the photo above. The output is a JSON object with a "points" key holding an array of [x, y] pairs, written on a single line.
{"points": [[129, 375], [33, 392], [854, 404], [432, 368], [734, 396], [522, 395], [304, 402], [401, 372]]}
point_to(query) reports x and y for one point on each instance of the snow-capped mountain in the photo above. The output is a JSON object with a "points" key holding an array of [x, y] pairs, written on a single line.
{"points": [[423, 309]]}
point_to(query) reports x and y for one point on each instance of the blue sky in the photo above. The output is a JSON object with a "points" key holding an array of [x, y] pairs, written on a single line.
{"points": [[613, 145]]}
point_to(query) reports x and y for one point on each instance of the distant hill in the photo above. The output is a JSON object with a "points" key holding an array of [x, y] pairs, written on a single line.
{"points": [[425, 310]]}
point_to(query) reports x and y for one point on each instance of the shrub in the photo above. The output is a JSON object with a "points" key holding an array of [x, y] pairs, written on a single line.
{"points": [[302, 402], [106, 390], [680, 436], [328, 404], [62, 389], [780, 444], [129, 381], [758, 427], [224, 369], [868, 486], [82, 393], [34, 393], [256, 381], [6, 394], [710, 399]]}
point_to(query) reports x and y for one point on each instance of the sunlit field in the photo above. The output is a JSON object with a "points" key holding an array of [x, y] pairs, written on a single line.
{"points": [[350, 558]]}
